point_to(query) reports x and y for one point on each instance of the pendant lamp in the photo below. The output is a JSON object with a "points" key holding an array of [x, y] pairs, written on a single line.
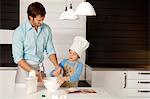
{"points": [[68, 14], [85, 8], [63, 15]]}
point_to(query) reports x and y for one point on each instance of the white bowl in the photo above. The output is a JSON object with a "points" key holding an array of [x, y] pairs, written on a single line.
{"points": [[51, 84]]}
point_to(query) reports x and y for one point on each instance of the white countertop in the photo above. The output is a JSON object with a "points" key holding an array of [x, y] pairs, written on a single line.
{"points": [[8, 68], [19, 92], [117, 69]]}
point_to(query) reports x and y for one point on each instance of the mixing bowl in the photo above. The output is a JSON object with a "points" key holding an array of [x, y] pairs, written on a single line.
{"points": [[51, 84]]}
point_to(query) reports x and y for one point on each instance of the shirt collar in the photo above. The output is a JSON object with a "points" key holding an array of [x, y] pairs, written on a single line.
{"points": [[28, 25]]}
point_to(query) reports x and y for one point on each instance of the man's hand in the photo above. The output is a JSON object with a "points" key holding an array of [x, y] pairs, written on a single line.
{"points": [[57, 72], [39, 75]]}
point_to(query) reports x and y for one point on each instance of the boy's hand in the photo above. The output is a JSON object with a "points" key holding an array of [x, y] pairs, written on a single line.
{"points": [[60, 80], [65, 78]]}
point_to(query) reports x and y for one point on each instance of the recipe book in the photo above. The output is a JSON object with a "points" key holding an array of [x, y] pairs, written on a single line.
{"points": [[75, 90]]}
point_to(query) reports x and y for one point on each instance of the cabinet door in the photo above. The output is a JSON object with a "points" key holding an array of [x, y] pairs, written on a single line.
{"points": [[7, 82], [113, 81]]}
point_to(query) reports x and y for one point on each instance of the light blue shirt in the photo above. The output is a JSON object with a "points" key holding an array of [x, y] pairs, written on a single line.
{"points": [[76, 76], [29, 44]]}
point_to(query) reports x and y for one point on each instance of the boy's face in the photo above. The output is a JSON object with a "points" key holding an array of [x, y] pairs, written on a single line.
{"points": [[73, 56]]}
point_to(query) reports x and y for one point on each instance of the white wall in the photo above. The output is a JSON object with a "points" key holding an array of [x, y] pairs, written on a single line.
{"points": [[63, 31], [6, 36]]}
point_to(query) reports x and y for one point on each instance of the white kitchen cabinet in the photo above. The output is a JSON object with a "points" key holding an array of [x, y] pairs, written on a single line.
{"points": [[111, 80], [122, 82], [7, 82], [138, 84]]}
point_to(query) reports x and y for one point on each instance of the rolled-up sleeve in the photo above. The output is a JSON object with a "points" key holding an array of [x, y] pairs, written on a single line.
{"points": [[49, 46], [17, 45]]}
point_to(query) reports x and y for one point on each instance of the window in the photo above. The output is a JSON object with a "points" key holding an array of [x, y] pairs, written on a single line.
{"points": [[9, 14], [6, 59]]}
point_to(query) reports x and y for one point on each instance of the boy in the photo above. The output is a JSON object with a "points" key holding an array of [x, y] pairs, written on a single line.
{"points": [[71, 67]]}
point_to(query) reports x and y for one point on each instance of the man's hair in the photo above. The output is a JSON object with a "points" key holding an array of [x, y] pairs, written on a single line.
{"points": [[35, 9]]}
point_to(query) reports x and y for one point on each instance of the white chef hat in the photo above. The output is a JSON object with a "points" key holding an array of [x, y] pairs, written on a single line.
{"points": [[79, 45]]}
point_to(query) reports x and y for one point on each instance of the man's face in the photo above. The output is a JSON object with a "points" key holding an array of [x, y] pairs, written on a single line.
{"points": [[37, 21]]}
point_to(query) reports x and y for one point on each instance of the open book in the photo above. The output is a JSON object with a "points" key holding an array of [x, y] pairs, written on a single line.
{"points": [[75, 90]]}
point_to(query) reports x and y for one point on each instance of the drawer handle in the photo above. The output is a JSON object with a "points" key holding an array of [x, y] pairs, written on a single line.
{"points": [[143, 90], [145, 82], [144, 73], [125, 80]]}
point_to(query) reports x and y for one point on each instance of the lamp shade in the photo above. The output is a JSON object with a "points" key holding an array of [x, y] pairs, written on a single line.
{"points": [[85, 8], [63, 16], [68, 14]]}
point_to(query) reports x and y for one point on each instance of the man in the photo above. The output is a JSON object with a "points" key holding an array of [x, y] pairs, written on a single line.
{"points": [[29, 42]]}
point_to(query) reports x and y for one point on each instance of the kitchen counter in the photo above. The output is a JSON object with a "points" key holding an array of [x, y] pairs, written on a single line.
{"points": [[8, 68], [118, 69], [19, 92], [123, 66]]}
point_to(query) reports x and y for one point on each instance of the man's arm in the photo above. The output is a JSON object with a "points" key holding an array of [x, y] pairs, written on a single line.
{"points": [[17, 50], [24, 65], [53, 59], [51, 51]]}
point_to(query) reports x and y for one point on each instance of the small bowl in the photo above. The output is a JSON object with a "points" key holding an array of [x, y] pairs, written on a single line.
{"points": [[51, 84]]}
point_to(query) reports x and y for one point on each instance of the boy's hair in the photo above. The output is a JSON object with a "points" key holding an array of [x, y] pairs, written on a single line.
{"points": [[35, 9]]}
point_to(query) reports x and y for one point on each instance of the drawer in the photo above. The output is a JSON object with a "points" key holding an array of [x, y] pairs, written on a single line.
{"points": [[138, 75], [140, 84], [139, 93]]}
